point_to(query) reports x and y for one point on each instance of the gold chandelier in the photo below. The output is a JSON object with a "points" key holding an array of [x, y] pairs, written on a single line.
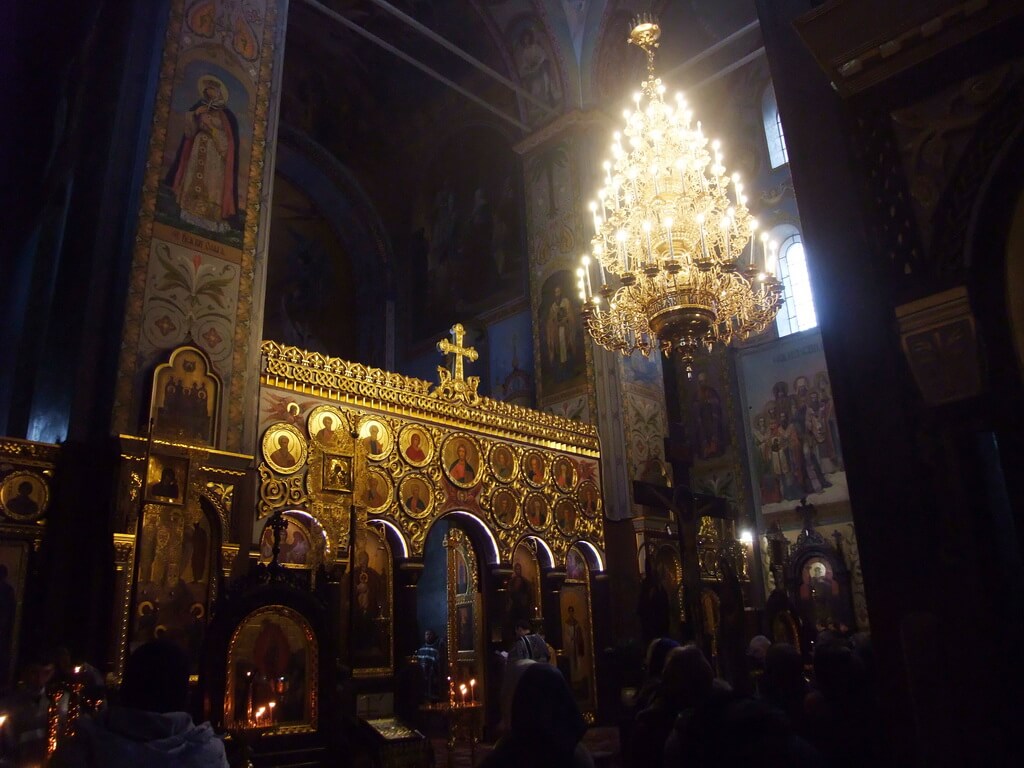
{"points": [[674, 230]]}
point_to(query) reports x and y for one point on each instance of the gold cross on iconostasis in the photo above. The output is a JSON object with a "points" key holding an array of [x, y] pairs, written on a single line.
{"points": [[457, 351]]}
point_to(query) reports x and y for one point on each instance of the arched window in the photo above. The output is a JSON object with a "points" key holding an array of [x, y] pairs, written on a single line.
{"points": [[778, 155], [797, 314]]}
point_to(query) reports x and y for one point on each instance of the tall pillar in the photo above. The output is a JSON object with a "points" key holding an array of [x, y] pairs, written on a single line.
{"points": [[198, 267], [624, 397]]}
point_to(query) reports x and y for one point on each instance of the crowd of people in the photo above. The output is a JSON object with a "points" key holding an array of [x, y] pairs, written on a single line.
{"points": [[781, 713]]}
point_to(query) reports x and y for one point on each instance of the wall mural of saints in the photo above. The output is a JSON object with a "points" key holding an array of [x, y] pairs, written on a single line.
{"points": [[536, 67], [176, 568], [562, 357], [467, 241], [794, 443], [206, 157]]}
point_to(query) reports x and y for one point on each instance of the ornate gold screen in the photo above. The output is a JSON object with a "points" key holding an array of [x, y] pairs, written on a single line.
{"points": [[406, 452]]}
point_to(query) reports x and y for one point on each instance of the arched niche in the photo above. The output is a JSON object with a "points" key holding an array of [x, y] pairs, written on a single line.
{"points": [[522, 589], [303, 545], [272, 673], [577, 657], [372, 603], [177, 573]]}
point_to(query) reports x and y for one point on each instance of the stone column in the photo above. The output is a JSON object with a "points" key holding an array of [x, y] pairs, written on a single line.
{"points": [[198, 268], [624, 397]]}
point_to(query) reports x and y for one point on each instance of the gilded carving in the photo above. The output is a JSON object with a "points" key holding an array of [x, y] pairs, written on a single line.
{"points": [[292, 368], [223, 493], [432, 453], [124, 564], [277, 492]]}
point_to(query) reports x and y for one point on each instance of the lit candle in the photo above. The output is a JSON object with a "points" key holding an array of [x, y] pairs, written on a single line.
{"points": [[472, 690], [272, 705], [753, 240], [668, 232], [586, 274]]}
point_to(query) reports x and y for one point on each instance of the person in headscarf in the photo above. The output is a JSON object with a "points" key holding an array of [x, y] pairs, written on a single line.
{"points": [[546, 725], [657, 652], [688, 684], [150, 727]]}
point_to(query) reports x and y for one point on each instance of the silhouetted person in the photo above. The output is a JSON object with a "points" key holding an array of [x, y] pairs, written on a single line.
{"points": [[528, 645], [24, 735], [654, 606], [839, 712], [746, 732], [783, 685], [150, 727], [687, 682], [429, 657], [546, 725], [657, 652]]}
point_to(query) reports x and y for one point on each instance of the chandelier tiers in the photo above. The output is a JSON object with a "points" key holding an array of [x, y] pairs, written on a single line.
{"points": [[674, 242]]}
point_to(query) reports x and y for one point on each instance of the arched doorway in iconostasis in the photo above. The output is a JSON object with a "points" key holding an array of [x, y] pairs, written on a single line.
{"points": [[523, 590], [450, 600], [577, 659]]}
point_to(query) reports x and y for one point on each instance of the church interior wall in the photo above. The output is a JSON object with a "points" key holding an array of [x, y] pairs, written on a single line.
{"points": [[433, 211]]}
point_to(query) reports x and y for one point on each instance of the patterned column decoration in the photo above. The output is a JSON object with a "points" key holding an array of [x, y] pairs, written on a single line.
{"points": [[625, 398], [198, 260]]}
